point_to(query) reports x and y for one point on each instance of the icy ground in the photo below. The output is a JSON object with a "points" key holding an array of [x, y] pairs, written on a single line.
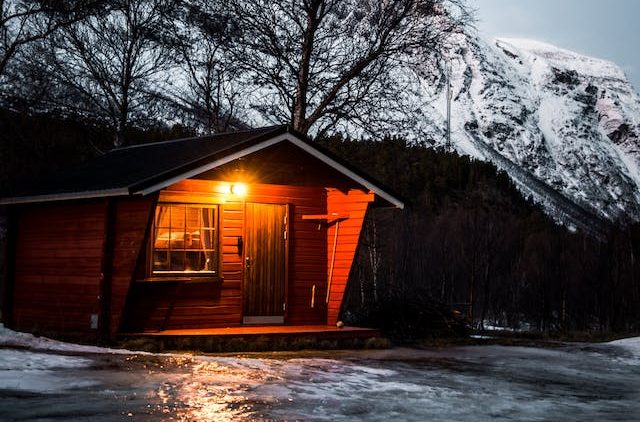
{"points": [[47, 380]]}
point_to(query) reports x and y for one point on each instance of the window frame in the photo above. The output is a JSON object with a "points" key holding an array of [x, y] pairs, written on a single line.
{"points": [[184, 275]]}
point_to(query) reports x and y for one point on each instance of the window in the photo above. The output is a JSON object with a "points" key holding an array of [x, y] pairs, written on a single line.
{"points": [[185, 239]]}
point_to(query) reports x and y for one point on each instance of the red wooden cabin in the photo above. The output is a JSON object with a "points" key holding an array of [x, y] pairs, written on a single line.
{"points": [[254, 227]]}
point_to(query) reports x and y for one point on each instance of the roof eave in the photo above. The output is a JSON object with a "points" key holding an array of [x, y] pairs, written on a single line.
{"points": [[361, 180], [145, 188], [154, 185], [66, 196], [204, 164]]}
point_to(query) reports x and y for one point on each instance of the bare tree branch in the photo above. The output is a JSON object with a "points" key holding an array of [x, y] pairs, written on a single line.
{"points": [[23, 22], [112, 60], [321, 61]]}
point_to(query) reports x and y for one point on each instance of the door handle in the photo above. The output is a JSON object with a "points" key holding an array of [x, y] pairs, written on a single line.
{"points": [[247, 262]]}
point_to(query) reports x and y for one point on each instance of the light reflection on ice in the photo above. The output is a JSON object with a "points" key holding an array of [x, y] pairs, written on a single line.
{"points": [[471, 383], [571, 382]]}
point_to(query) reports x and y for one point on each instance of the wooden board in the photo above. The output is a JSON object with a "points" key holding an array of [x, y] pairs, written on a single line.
{"points": [[132, 218], [60, 248], [58, 267], [353, 203], [220, 305], [264, 289]]}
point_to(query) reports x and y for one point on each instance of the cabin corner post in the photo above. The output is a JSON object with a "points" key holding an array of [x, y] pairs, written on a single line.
{"points": [[134, 219], [342, 242], [8, 270], [106, 271]]}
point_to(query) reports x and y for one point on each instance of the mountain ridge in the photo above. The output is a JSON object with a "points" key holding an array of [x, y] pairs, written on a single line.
{"points": [[569, 120]]}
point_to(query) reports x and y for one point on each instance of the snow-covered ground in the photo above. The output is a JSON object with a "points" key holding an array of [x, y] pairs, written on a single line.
{"points": [[47, 380]]}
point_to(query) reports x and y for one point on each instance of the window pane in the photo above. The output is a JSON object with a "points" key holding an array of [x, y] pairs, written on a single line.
{"points": [[195, 261], [195, 239], [209, 261], [207, 238], [184, 239], [162, 216], [177, 217], [193, 218], [160, 260]]}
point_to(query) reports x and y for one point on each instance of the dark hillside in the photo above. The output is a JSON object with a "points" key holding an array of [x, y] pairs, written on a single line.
{"points": [[469, 240]]}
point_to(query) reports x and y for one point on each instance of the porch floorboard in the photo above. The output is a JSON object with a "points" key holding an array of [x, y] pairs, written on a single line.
{"points": [[254, 338], [252, 330]]}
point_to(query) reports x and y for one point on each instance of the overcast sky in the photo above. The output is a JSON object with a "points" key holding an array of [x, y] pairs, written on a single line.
{"points": [[608, 29]]}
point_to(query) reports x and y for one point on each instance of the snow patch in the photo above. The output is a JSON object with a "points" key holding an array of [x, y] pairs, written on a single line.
{"points": [[29, 361], [10, 338], [565, 58], [39, 372], [630, 344]]}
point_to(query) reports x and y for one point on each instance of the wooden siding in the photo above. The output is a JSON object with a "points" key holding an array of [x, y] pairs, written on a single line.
{"points": [[179, 305], [353, 203], [307, 248], [60, 256], [265, 278], [132, 216], [57, 267], [60, 264]]}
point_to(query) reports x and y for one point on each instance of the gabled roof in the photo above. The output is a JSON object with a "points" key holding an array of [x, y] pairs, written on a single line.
{"points": [[147, 168]]}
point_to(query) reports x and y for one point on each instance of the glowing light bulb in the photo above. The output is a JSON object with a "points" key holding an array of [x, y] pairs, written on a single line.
{"points": [[239, 189]]}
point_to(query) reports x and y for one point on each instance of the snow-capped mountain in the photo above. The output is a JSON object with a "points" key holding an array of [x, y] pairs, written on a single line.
{"points": [[548, 115]]}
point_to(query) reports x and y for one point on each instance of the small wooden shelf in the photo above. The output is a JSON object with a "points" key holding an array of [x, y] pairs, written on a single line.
{"points": [[183, 250], [197, 279], [329, 218]]}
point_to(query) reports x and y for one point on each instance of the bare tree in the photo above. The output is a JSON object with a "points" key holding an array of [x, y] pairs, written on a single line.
{"points": [[317, 63], [25, 21], [208, 91], [112, 65], [374, 254]]}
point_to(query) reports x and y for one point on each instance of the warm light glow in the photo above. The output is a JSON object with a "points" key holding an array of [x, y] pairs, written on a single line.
{"points": [[239, 189]]}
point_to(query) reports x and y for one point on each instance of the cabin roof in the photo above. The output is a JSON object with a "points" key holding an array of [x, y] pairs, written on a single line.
{"points": [[146, 168]]}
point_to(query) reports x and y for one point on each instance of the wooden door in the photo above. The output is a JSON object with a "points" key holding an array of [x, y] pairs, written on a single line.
{"points": [[264, 290]]}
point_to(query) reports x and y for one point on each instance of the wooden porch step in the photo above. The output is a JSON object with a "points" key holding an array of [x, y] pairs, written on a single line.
{"points": [[258, 338]]}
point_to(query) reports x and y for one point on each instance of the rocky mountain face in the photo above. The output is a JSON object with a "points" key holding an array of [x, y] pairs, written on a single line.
{"points": [[566, 127]]}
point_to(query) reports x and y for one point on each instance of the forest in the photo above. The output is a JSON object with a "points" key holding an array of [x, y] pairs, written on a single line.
{"points": [[78, 78], [470, 241], [467, 241]]}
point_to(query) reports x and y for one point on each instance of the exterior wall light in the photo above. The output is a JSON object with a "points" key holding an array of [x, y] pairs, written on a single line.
{"points": [[239, 189]]}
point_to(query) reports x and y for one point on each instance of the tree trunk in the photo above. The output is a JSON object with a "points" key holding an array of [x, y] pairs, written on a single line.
{"points": [[299, 120]]}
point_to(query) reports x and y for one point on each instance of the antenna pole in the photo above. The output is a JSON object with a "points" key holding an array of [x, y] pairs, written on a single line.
{"points": [[448, 74]]}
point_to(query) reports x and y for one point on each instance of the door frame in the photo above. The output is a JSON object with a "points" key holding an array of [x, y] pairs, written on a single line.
{"points": [[267, 320]]}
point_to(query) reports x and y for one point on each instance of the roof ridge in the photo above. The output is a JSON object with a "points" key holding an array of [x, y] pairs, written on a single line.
{"points": [[147, 170], [263, 130]]}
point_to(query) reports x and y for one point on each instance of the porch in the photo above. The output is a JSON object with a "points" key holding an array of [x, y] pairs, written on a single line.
{"points": [[255, 338]]}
